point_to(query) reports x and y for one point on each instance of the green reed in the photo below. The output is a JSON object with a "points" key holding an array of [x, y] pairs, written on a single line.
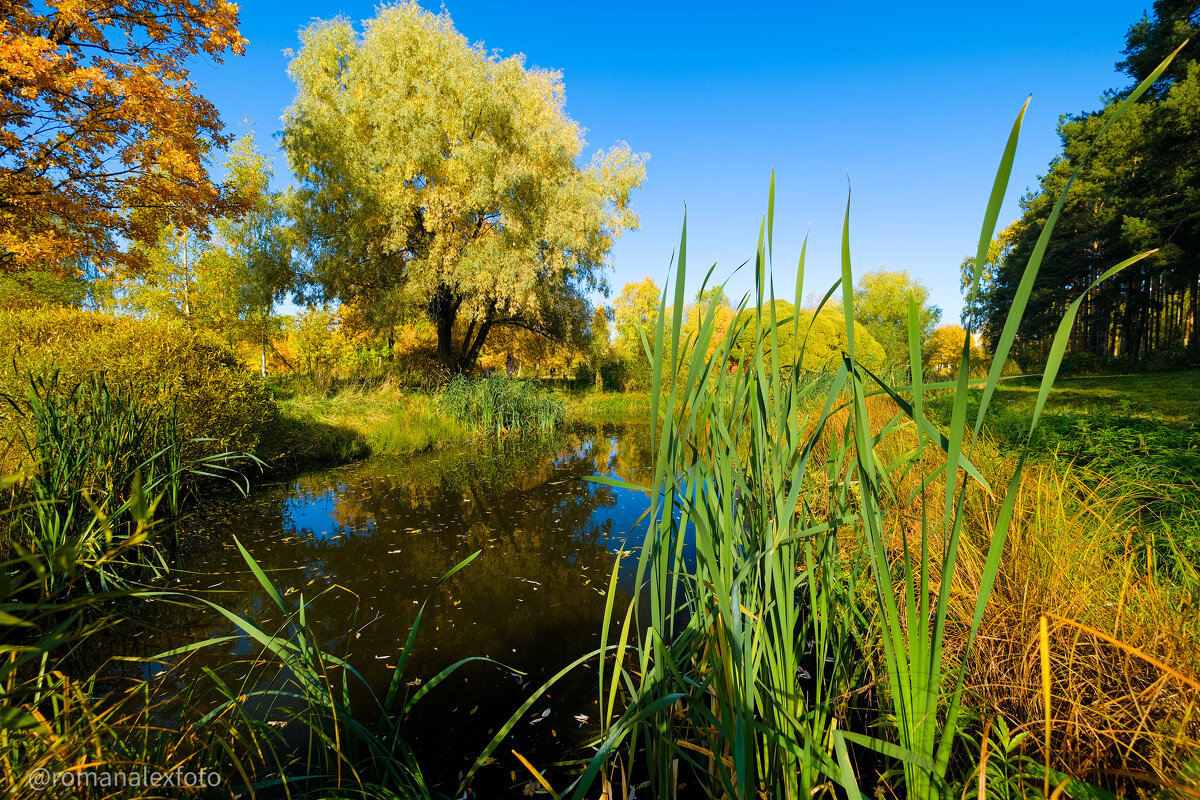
{"points": [[741, 670], [100, 449], [499, 405]]}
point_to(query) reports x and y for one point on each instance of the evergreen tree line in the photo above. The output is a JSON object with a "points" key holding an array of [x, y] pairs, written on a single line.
{"points": [[1137, 190]]}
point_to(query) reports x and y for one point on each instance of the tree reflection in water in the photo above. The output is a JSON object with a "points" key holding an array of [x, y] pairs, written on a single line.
{"points": [[378, 534]]}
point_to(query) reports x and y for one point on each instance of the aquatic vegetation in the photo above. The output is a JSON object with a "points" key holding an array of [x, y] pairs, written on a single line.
{"points": [[498, 405], [99, 448], [746, 674]]}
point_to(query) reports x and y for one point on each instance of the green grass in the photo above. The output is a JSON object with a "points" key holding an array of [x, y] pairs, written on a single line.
{"points": [[354, 423], [1169, 397], [593, 407], [319, 429], [1134, 438]]}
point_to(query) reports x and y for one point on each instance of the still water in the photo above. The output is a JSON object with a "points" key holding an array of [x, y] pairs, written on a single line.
{"points": [[364, 544]]}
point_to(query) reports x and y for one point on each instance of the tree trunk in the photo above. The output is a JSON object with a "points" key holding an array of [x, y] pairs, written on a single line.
{"points": [[1195, 314], [445, 310], [262, 355], [472, 348]]}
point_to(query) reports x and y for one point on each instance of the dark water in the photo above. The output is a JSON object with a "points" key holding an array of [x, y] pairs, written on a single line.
{"points": [[364, 544]]}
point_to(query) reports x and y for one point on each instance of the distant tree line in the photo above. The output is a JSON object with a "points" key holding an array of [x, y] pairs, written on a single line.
{"points": [[1138, 189]]}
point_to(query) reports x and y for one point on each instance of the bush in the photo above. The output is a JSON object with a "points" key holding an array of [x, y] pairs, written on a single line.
{"points": [[585, 377], [218, 400], [614, 374]]}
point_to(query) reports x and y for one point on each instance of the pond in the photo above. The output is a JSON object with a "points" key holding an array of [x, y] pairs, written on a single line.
{"points": [[364, 544]]}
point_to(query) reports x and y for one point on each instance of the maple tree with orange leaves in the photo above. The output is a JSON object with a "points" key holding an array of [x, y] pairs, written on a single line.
{"points": [[102, 134]]}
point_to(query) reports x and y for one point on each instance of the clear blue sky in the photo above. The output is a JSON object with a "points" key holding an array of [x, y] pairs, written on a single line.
{"points": [[911, 103]]}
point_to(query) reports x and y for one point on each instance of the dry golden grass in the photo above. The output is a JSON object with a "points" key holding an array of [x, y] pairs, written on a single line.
{"points": [[81, 737], [1124, 653], [1124, 647]]}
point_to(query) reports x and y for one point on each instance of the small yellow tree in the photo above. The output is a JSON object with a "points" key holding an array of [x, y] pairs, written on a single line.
{"points": [[944, 352]]}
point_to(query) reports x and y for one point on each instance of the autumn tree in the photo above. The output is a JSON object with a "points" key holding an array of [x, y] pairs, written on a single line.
{"points": [[256, 246], [881, 305], [175, 282], [432, 174], [102, 135], [712, 300], [228, 284], [814, 341], [634, 315], [944, 353], [977, 302], [599, 344]]}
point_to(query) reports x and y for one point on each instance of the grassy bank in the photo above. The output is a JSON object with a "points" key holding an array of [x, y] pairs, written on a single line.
{"points": [[611, 407], [317, 429], [1132, 440], [1169, 397]]}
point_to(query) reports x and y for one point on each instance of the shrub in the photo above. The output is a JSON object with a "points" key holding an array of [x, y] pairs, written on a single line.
{"points": [[613, 372], [217, 399], [585, 377]]}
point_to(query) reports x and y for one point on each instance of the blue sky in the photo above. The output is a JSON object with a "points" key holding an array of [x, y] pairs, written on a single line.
{"points": [[909, 103]]}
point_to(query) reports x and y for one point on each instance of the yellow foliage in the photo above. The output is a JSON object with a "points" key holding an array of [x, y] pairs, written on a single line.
{"points": [[102, 136], [217, 398], [944, 353]]}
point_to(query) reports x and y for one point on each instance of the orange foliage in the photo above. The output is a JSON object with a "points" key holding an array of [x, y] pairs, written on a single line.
{"points": [[102, 135]]}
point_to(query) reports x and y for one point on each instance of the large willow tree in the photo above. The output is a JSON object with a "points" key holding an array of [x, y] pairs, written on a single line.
{"points": [[436, 176]]}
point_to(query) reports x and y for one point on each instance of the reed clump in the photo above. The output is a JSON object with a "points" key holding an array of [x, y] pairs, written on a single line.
{"points": [[93, 452], [782, 546], [497, 405]]}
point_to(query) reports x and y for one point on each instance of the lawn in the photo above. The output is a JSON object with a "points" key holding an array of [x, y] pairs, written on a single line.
{"points": [[1169, 397]]}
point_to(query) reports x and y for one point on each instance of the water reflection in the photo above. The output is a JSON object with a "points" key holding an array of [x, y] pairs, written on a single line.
{"points": [[363, 545]]}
